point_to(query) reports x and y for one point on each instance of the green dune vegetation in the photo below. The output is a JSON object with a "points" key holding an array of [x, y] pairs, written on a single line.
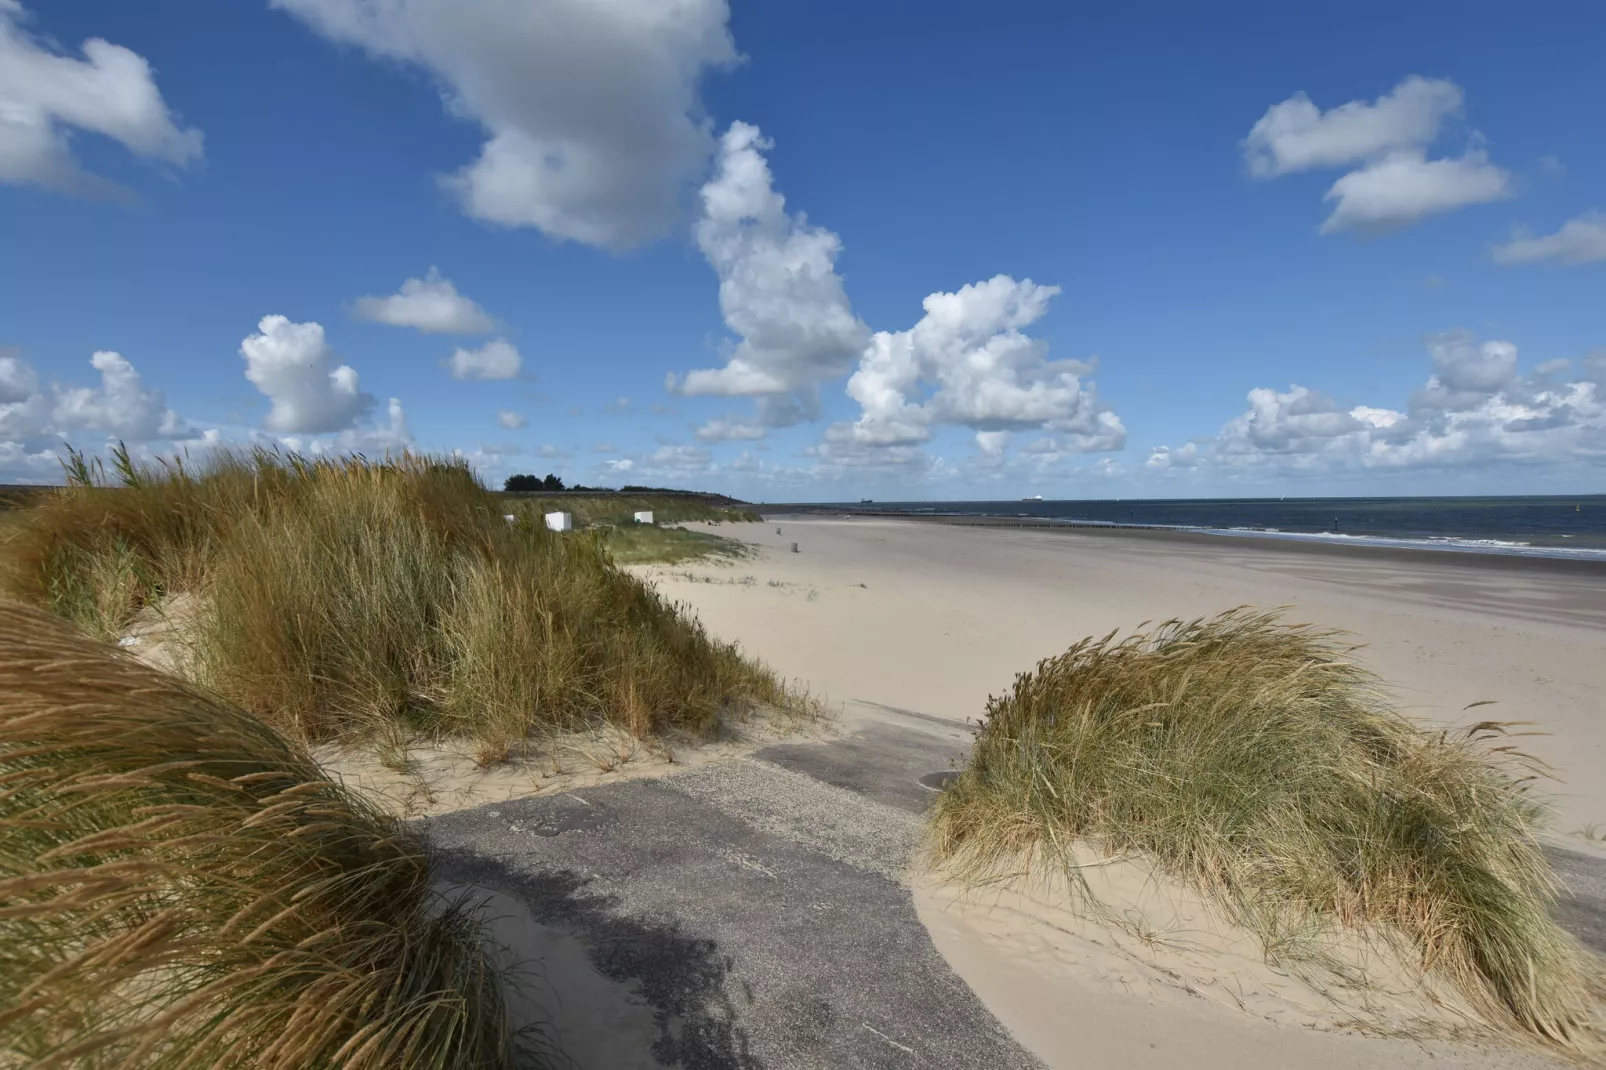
{"points": [[611, 514], [181, 887], [1256, 762], [349, 599], [653, 544]]}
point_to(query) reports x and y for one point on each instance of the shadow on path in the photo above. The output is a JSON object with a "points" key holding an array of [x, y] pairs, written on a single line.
{"points": [[682, 977], [740, 915]]}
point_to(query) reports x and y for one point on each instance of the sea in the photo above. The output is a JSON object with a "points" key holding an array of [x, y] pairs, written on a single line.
{"points": [[1565, 526]]}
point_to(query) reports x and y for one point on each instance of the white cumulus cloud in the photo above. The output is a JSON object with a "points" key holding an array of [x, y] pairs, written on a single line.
{"points": [[18, 380], [510, 420], [493, 360], [18, 464], [1396, 183], [1296, 135], [1477, 408], [430, 304], [391, 436], [967, 362], [1579, 241], [778, 290], [1184, 456], [35, 417], [1464, 370], [45, 96], [992, 445], [1406, 186], [591, 108], [121, 406], [295, 368], [24, 410]]}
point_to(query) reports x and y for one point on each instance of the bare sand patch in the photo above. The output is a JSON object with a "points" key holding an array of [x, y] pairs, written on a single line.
{"points": [[1136, 932], [1083, 995], [427, 777]]}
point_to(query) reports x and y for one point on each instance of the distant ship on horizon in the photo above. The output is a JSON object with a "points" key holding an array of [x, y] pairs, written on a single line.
{"points": [[1033, 498]]}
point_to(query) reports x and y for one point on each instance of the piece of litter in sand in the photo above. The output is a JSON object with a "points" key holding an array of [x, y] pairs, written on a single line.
{"points": [[888, 1039], [128, 640]]}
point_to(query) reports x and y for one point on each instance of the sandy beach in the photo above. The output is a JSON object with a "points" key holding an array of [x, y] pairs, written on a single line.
{"points": [[934, 618], [909, 627]]}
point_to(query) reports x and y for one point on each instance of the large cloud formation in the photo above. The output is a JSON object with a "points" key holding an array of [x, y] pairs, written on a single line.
{"points": [[967, 362], [591, 108], [35, 417], [294, 367], [1476, 409], [121, 406], [1396, 183], [310, 394], [778, 290], [44, 95]]}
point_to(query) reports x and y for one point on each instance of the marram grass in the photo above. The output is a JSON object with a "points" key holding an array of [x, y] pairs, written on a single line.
{"points": [[181, 887], [338, 598], [1255, 761]]}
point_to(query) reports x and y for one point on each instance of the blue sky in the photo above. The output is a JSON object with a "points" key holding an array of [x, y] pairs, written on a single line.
{"points": [[1024, 248]]}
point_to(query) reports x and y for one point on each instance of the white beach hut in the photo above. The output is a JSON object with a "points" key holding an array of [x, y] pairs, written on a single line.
{"points": [[560, 521], [644, 516]]}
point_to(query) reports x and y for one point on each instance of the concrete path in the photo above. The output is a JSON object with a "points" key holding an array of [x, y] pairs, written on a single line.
{"points": [[751, 904], [750, 913]]}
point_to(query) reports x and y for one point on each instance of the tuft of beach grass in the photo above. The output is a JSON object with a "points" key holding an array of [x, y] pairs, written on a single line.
{"points": [[349, 598], [1257, 762], [182, 887]]}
